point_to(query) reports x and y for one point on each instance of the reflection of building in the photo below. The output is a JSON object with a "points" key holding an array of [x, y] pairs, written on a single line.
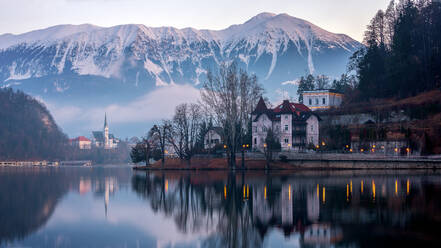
{"points": [[294, 124], [213, 137], [81, 142], [322, 99], [103, 139], [322, 234], [313, 206]]}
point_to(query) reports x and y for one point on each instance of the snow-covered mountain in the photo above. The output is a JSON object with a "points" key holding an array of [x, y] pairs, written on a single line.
{"points": [[76, 63], [277, 48]]}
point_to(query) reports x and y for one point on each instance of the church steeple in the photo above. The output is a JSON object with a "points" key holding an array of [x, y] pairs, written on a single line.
{"points": [[105, 120]]}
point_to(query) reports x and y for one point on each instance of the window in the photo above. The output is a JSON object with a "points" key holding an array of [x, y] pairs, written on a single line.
{"points": [[286, 141], [286, 117], [264, 128], [316, 101], [312, 128], [286, 127], [324, 101], [255, 141], [310, 101]]}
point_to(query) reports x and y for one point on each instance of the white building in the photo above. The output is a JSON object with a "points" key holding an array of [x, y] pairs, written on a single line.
{"points": [[81, 142], [213, 137], [295, 125], [103, 139], [322, 99]]}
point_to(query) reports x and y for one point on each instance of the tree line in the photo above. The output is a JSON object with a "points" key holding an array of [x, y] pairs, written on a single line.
{"points": [[402, 53], [227, 99]]}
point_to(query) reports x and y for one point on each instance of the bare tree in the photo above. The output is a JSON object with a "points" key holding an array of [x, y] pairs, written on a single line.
{"points": [[229, 96], [185, 130], [271, 145], [160, 133]]}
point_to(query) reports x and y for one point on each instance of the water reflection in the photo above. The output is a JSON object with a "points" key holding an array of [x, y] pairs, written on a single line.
{"points": [[309, 209], [114, 207]]}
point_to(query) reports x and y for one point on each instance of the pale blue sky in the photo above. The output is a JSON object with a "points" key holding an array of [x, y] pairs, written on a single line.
{"points": [[339, 16]]}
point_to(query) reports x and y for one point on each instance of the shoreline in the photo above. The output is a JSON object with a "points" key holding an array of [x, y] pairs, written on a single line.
{"points": [[220, 164]]}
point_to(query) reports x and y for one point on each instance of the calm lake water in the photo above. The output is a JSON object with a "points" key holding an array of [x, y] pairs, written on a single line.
{"points": [[115, 207]]}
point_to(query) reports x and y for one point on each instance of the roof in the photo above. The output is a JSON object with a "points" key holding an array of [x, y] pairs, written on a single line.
{"points": [[299, 111], [82, 138], [98, 135], [218, 130], [260, 108], [321, 91]]}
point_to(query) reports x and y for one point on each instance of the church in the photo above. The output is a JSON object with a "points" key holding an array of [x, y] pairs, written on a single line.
{"points": [[102, 139]]}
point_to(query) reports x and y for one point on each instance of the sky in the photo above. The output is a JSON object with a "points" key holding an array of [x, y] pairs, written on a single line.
{"points": [[339, 16]]}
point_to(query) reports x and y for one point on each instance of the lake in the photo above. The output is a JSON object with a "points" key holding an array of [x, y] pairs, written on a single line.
{"points": [[112, 206]]}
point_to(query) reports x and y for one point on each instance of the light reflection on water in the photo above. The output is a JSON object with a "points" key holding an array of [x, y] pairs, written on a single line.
{"points": [[114, 207]]}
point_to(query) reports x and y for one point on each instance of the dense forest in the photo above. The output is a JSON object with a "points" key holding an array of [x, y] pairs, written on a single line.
{"points": [[27, 129], [402, 56]]}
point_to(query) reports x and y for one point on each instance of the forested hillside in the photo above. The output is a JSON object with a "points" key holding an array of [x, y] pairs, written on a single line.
{"points": [[402, 57], [27, 129]]}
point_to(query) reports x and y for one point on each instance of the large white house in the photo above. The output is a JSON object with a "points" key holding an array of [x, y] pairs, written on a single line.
{"points": [[322, 99], [295, 125]]}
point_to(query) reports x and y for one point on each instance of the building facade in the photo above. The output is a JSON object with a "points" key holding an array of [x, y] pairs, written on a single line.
{"points": [[104, 139], [295, 125], [322, 99], [213, 137], [81, 142]]}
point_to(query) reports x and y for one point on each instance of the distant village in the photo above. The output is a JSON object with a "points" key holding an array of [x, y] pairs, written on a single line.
{"points": [[100, 139]]}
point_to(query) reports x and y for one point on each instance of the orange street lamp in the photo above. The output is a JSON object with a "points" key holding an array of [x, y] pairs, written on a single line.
{"points": [[396, 149], [350, 150], [323, 143], [347, 146], [243, 146], [248, 145], [361, 150], [225, 146], [373, 146], [264, 145]]}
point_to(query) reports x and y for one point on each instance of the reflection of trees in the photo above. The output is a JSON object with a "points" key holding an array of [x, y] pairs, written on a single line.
{"points": [[219, 207], [237, 211], [27, 200]]}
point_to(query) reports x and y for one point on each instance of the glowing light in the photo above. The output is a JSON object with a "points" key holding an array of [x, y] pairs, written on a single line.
{"points": [[248, 145], [362, 150], [324, 195], [244, 191], [248, 192], [264, 145], [351, 186], [243, 146], [373, 146], [373, 189], [323, 143], [317, 146], [347, 146], [362, 186], [289, 192], [166, 185], [225, 192], [396, 149], [225, 146], [264, 192], [396, 187], [347, 192], [408, 187], [350, 150]]}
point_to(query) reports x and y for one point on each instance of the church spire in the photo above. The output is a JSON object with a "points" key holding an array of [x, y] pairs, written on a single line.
{"points": [[105, 120]]}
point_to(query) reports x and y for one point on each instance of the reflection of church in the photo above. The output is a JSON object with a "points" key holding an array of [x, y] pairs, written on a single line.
{"points": [[103, 139]]}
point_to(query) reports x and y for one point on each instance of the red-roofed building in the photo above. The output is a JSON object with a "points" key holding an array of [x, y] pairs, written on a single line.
{"points": [[294, 123], [81, 142]]}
